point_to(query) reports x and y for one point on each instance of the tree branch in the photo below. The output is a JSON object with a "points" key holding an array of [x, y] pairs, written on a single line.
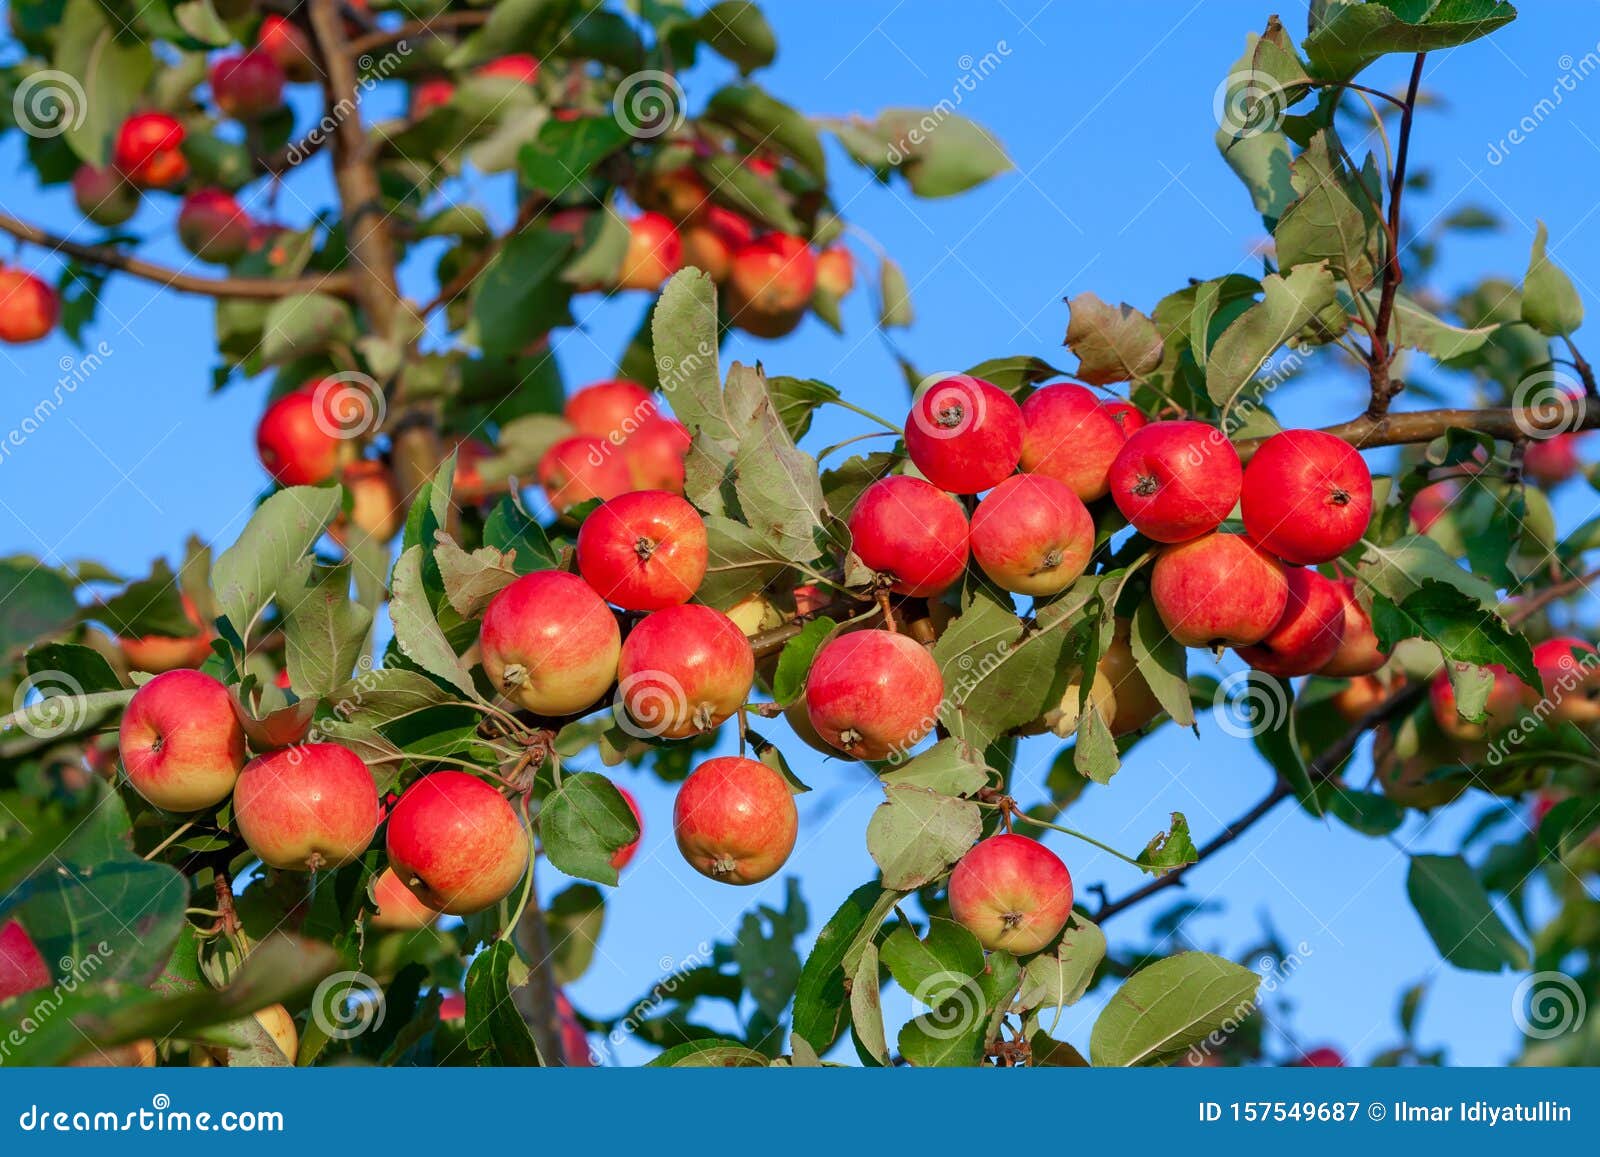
{"points": [[1382, 354], [107, 257], [536, 1000], [444, 22], [1367, 432]]}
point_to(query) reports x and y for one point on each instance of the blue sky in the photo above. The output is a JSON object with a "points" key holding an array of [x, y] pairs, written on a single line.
{"points": [[1108, 113]]}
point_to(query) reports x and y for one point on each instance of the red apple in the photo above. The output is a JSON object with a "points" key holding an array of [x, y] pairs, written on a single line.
{"points": [[873, 694], [654, 454], [911, 533], [1429, 504], [1307, 636], [453, 1006], [711, 238], [517, 66], [1570, 670], [574, 1040], [735, 820], [1219, 590], [1357, 697], [213, 227], [1125, 414], [836, 271], [429, 94], [103, 196], [1551, 461], [467, 486], [1358, 652], [679, 193], [580, 469], [148, 150], [1324, 1057], [22, 969], [247, 86], [1070, 438], [655, 252], [1012, 893], [1176, 480], [298, 440], [624, 855], [28, 307], [158, 653], [1307, 496], [550, 643], [311, 808], [964, 434], [1032, 535], [684, 670], [1507, 697], [643, 551], [181, 742], [770, 284], [286, 44], [398, 909], [456, 843], [612, 410], [375, 506]]}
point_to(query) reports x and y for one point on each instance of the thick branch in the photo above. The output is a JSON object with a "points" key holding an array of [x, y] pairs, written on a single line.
{"points": [[1367, 432], [106, 257], [536, 1000], [1382, 354]]}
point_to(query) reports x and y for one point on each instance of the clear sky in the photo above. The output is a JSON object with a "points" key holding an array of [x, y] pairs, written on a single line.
{"points": [[1108, 112]]}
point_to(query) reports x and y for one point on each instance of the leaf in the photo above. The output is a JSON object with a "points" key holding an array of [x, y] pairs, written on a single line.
{"points": [[995, 677], [1113, 343], [1095, 754], [866, 1009], [949, 767], [37, 602], [712, 1053], [98, 81], [740, 562], [1163, 663], [932, 968], [583, 823], [820, 999], [683, 332], [789, 678], [84, 669], [417, 632], [1401, 568], [916, 834], [150, 606], [1261, 161], [1458, 915], [270, 550], [778, 489], [56, 717], [1062, 973], [766, 122], [385, 694], [796, 399], [565, 153], [894, 296], [512, 530], [766, 959], [118, 917], [737, 31], [956, 1030], [305, 324], [1169, 849], [1014, 374], [493, 1020], [1416, 328], [939, 152], [471, 580], [1289, 303], [1266, 709], [1331, 219], [575, 918], [323, 631], [1164, 1009], [1549, 302], [1464, 631], [1352, 36], [520, 294]]}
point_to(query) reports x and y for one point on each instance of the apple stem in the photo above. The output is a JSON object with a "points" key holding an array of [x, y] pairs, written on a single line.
{"points": [[888, 612], [166, 843], [884, 422], [1027, 819]]}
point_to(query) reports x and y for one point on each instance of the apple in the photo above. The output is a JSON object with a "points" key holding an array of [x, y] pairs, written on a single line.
{"points": [[624, 855], [574, 1040], [309, 808], [1324, 1057], [550, 644], [1175, 481], [213, 227], [280, 1026], [581, 469], [246, 86], [28, 307], [1358, 652], [712, 236], [297, 439], [1407, 781], [614, 409], [964, 434], [375, 506], [654, 454], [654, 253], [280, 39], [22, 968], [644, 550], [873, 694], [679, 193], [836, 271], [181, 742], [158, 653], [398, 909], [735, 820], [430, 93], [517, 66], [1307, 496], [103, 196], [1551, 461], [770, 283], [1012, 893], [1218, 590], [1125, 414], [1507, 697], [684, 670], [467, 485], [754, 614], [1429, 504], [1133, 703], [1070, 437], [148, 150], [911, 534], [1032, 535], [1307, 636], [1570, 670], [1357, 697], [456, 843]]}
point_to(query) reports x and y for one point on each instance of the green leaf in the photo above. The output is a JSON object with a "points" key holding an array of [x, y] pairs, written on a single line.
{"points": [[565, 153], [932, 968], [583, 823], [916, 834], [494, 1022], [1095, 754], [1007, 679], [84, 668], [1289, 303], [1163, 662], [712, 1053], [766, 122], [1464, 631], [821, 1000], [1262, 162], [1549, 302], [472, 579], [939, 152], [765, 956], [520, 296], [416, 632], [1013, 374], [1265, 707], [796, 399], [1169, 849], [956, 1030], [789, 679], [98, 81], [323, 631], [37, 602], [150, 606], [1401, 568], [1458, 915], [305, 324], [1113, 343], [1352, 36], [866, 1009], [385, 694], [683, 332], [894, 296], [737, 31], [271, 550], [1163, 1010], [949, 767], [575, 918], [1331, 219], [1062, 973], [118, 917], [511, 529]]}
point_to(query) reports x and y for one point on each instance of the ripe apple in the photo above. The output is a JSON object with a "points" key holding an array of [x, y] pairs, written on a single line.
{"points": [[148, 150], [286, 44], [684, 670], [1570, 670], [308, 808], [624, 855], [910, 532], [158, 653], [1357, 697], [679, 193], [550, 644], [735, 820], [1307, 496], [1325, 1057], [28, 307], [1551, 461], [1429, 504], [375, 506], [213, 227], [712, 236], [1175, 481], [1507, 697], [181, 742], [964, 434], [1219, 590], [399, 910], [456, 843], [612, 409], [872, 694], [644, 550], [517, 66], [654, 454], [22, 969], [103, 196], [1125, 414], [1308, 634], [246, 86], [430, 93], [297, 439], [1407, 781], [580, 469], [836, 271], [1012, 893], [1358, 652], [770, 283], [1032, 535], [655, 252], [1070, 437], [1135, 704]]}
